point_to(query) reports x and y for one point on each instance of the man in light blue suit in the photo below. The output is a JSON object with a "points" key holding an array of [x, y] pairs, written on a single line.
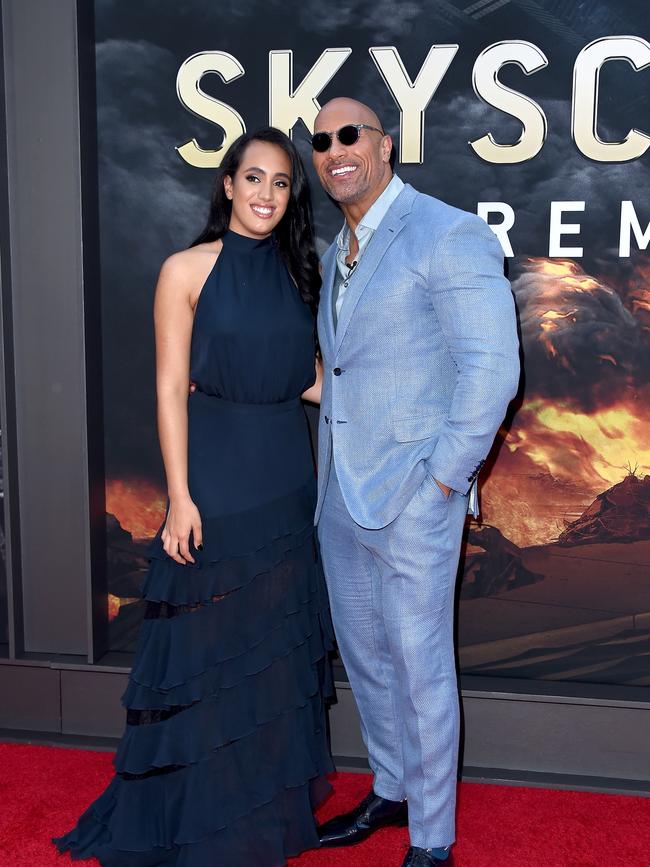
{"points": [[420, 357]]}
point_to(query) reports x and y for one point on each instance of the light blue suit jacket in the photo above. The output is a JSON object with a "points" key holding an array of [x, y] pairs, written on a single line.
{"points": [[424, 360]]}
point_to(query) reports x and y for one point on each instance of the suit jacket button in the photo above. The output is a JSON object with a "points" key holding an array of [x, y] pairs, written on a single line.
{"points": [[337, 371]]}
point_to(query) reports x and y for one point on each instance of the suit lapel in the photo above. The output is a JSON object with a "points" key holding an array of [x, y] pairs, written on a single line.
{"points": [[389, 228], [326, 321]]}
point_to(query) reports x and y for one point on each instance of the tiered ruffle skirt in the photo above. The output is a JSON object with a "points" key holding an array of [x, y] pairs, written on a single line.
{"points": [[225, 751]]}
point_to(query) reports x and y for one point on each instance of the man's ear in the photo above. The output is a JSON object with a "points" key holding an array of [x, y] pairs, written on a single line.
{"points": [[386, 148]]}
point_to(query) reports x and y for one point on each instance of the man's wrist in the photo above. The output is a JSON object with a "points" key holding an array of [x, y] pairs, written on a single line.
{"points": [[446, 490]]}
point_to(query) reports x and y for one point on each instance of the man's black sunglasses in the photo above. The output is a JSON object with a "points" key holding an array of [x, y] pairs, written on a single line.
{"points": [[347, 135]]}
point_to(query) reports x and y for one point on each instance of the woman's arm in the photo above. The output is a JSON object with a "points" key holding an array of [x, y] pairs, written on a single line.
{"points": [[173, 317], [313, 392]]}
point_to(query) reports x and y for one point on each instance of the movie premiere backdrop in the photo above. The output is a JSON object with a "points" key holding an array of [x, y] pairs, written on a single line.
{"points": [[536, 115]]}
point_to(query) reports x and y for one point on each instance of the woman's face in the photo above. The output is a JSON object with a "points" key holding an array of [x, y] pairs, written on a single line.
{"points": [[259, 190]]}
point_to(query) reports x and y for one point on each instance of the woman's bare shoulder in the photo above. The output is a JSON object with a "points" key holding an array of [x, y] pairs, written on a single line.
{"points": [[189, 269], [187, 263]]}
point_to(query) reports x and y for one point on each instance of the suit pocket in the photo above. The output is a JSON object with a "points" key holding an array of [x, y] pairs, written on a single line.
{"points": [[436, 493], [417, 427]]}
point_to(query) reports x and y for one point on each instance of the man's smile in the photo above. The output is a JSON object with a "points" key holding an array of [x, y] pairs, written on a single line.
{"points": [[342, 171]]}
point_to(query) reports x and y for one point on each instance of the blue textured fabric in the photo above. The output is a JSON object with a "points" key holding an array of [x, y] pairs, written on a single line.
{"points": [[417, 378], [392, 597], [427, 349]]}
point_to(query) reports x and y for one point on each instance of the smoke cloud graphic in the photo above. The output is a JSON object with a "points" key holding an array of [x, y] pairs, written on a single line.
{"points": [[582, 345], [153, 204]]}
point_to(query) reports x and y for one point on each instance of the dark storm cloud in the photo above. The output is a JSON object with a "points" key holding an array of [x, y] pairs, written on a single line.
{"points": [[581, 344], [141, 180], [558, 173], [455, 115], [147, 211], [382, 20], [197, 12], [152, 203]]}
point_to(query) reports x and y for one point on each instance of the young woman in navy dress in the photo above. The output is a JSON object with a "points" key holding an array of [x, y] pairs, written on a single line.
{"points": [[225, 750]]}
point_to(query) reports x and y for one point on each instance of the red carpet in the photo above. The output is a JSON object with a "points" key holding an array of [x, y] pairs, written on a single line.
{"points": [[43, 790]]}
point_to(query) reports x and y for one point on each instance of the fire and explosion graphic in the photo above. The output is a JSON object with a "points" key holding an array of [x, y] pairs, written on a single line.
{"points": [[565, 500], [135, 510], [566, 506], [137, 504], [583, 421]]}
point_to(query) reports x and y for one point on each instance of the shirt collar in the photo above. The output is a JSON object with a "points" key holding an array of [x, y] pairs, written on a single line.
{"points": [[375, 213]]}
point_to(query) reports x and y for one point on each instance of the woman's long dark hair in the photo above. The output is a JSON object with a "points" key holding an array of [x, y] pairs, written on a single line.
{"points": [[294, 231]]}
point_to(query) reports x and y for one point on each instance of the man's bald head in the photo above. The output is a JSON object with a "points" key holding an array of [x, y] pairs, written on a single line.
{"points": [[344, 106]]}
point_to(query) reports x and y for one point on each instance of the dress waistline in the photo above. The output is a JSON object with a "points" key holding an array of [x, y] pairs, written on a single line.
{"points": [[217, 401]]}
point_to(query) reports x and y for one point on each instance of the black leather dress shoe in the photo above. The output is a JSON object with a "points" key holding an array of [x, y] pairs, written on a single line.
{"points": [[353, 827], [416, 857]]}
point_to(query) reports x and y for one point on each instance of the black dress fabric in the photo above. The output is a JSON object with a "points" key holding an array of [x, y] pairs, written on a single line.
{"points": [[225, 750]]}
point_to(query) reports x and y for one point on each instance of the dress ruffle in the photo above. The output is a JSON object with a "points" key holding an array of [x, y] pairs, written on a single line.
{"points": [[225, 747], [285, 828], [175, 649]]}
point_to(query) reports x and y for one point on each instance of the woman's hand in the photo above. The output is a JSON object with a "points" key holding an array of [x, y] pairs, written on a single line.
{"points": [[313, 393], [182, 519]]}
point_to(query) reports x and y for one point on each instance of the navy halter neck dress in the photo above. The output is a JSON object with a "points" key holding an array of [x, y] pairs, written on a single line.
{"points": [[225, 750]]}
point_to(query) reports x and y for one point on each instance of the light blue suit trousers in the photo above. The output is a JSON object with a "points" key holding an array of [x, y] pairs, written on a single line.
{"points": [[392, 596]]}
